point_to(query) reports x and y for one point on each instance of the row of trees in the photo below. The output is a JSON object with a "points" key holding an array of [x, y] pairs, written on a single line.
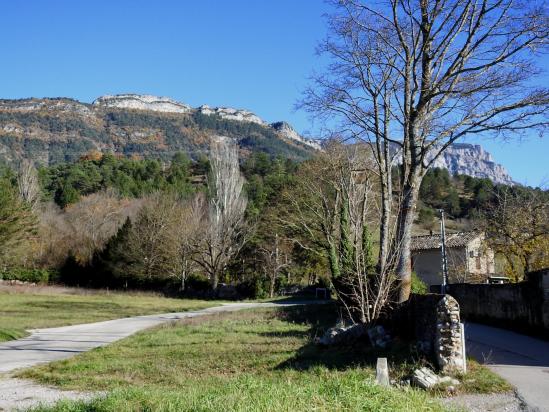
{"points": [[285, 223]]}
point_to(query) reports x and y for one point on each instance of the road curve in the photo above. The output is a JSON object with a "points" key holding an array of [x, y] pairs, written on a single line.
{"points": [[47, 345], [521, 360]]}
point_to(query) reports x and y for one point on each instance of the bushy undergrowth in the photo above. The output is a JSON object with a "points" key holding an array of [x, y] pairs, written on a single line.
{"points": [[35, 275]]}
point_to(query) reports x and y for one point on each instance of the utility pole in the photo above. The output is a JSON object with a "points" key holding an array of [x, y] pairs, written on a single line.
{"points": [[443, 252]]}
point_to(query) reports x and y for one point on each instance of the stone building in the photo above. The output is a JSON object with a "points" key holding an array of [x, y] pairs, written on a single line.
{"points": [[469, 259]]}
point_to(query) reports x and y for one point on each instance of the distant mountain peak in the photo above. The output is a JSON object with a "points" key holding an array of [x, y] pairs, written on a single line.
{"points": [[168, 105], [473, 160], [229, 113]]}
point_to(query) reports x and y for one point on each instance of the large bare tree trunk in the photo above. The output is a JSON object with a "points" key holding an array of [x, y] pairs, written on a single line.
{"points": [[386, 205], [404, 237]]}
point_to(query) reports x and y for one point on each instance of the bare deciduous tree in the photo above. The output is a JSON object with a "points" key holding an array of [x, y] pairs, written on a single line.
{"points": [[517, 227], [224, 231], [159, 242], [56, 236], [27, 181], [275, 259], [95, 219], [188, 229], [330, 212], [419, 75]]}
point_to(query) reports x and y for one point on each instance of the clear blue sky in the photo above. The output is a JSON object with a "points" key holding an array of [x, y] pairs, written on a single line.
{"points": [[253, 54]]}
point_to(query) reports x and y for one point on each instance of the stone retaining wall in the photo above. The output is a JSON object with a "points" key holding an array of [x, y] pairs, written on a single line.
{"points": [[520, 306]]}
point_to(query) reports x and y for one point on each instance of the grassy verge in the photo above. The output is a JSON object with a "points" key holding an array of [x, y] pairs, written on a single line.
{"points": [[480, 379], [257, 360], [26, 310]]}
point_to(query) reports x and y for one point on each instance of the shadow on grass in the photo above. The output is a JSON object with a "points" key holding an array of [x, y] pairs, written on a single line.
{"points": [[358, 353], [285, 334]]}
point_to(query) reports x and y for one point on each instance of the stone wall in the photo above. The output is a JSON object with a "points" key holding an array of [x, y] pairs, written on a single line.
{"points": [[432, 321], [520, 306], [449, 341]]}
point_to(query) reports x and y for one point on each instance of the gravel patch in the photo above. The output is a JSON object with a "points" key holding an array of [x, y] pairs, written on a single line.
{"points": [[496, 402], [20, 394]]}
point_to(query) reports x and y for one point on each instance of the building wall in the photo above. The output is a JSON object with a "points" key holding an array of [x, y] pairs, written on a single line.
{"points": [[427, 264], [480, 261], [471, 264]]}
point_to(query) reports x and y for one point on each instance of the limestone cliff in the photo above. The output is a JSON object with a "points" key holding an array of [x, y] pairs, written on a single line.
{"points": [[290, 133], [472, 160], [142, 102]]}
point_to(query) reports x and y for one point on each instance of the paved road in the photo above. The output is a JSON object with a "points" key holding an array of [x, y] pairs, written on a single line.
{"points": [[521, 360], [46, 345]]}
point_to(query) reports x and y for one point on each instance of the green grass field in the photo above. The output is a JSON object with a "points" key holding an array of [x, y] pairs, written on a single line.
{"points": [[260, 360], [48, 308]]}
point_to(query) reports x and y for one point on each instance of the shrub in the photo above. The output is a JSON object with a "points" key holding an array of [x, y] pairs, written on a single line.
{"points": [[253, 288], [419, 287], [29, 275]]}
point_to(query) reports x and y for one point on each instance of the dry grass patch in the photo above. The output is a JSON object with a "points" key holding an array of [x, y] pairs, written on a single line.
{"points": [[23, 308]]}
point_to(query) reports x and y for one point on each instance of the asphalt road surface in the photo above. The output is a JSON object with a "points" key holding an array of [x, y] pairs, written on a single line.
{"points": [[521, 360]]}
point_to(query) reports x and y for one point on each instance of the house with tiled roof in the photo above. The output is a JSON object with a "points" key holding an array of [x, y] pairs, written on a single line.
{"points": [[469, 258]]}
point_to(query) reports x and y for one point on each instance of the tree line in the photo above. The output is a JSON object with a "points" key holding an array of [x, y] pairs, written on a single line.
{"points": [[261, 224]]}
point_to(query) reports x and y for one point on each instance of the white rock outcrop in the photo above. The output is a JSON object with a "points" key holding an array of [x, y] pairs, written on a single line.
{"points": [[229, 113], [289, 132], [47, 104], [472, 160], [142, 102]]}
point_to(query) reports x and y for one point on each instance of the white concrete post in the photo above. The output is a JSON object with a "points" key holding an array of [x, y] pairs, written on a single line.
{"points": [[382, 372]]}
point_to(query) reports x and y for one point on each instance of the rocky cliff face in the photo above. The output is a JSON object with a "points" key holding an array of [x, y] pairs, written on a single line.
{"points": [[472, 160], [47, 105], [239, 115], [142, 102], [290, 133], [167, 105]]}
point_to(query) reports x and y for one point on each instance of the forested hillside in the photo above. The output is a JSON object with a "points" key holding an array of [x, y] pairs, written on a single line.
{"points": [[115, 221]]}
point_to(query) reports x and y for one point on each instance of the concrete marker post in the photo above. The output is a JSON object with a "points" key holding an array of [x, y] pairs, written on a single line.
{"points": [[382, 372]]}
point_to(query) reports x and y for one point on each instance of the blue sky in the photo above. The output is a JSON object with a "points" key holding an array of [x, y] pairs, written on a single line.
{"points": [[253, 54]]}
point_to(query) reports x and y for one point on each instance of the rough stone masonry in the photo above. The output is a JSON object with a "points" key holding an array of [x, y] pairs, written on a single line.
{"points": [[449, 338]]}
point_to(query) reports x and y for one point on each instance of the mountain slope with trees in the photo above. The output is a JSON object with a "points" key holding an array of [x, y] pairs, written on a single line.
{"points": [[50, 131]]}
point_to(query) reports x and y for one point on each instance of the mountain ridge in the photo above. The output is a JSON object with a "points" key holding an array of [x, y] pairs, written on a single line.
{"points": [[49, 130]]}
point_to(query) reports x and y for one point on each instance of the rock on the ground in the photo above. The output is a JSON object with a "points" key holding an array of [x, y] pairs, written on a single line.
{"points": [[20, 394], [448, 380], [342, 335], [425, 378]]}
